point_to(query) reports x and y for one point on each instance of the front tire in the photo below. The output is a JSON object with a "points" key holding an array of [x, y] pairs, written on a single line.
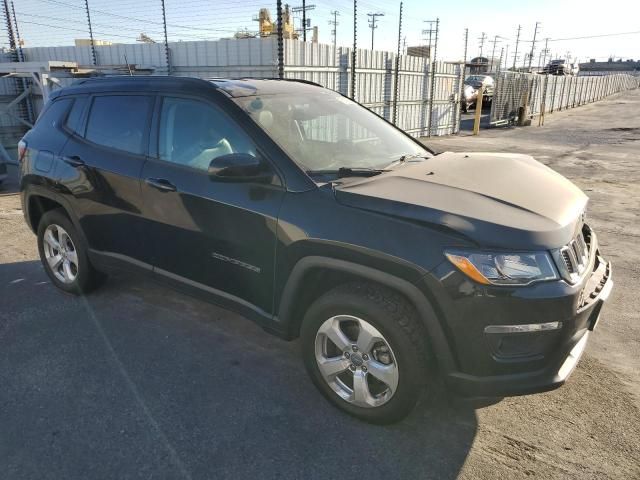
{"points": [[63, 254], [366, 351]]}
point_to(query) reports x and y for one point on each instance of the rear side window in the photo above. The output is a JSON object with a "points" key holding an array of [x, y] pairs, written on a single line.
{"points": [[54, 113], [119, 121], [74, 119]]}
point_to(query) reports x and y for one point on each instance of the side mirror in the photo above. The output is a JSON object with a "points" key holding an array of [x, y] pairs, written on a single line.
{"points": [[240, 167]]}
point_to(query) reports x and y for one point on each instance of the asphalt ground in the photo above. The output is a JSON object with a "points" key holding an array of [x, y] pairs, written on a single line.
{"points": [[138, 381]]}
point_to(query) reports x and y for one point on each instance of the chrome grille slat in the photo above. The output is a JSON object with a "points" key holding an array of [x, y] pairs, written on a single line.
{"points": [[573, 258], [567, 261]]}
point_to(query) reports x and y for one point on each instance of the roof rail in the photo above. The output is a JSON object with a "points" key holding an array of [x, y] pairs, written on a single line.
{"points": [[299, 80]]}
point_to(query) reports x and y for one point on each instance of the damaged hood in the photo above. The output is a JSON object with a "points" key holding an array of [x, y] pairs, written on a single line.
{"points": [[496, 200]]}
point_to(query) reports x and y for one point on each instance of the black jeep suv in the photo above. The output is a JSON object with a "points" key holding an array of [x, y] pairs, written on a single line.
{"points": [[308, 213]]}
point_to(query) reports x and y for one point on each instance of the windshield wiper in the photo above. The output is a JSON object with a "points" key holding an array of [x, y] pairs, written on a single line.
{"points": [[349, 172], [406, 157]]}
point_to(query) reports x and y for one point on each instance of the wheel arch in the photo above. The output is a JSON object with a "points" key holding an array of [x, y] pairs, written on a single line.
{"points": [[38, 201], [296, 297]]}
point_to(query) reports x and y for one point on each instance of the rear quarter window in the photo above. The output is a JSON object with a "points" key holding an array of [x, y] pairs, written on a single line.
{"points": [[74, 118], [119, 122], [54, 113]]}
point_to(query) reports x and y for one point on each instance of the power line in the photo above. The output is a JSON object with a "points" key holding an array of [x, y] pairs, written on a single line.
{"points": [[595, 36], [125, 17]]}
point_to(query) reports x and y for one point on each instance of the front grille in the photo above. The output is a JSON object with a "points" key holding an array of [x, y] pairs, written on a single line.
{"points": [[573, 258], [576, 254]]}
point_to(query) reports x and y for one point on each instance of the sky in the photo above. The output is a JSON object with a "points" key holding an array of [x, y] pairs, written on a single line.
{"points": [[59, 22]]}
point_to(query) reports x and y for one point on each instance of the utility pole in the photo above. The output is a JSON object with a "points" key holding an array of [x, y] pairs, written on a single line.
{"points": [[515, 54], [482, 38], [429, 31], [506, 58], [372, 23], [304, 8], [396, 87], [545, 52], [334, 24], [493, 51], [353, 52], [533, 44], [466, 44]]}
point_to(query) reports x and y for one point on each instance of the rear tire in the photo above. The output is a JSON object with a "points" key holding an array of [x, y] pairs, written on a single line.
{"points": [[63, 254], [372, 337]]}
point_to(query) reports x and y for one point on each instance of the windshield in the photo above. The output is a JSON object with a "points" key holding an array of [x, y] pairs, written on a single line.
{"points": [[325, 131]]}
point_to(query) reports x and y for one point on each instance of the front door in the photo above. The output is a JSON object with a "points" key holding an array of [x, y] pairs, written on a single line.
{"points": [[215, 236]]}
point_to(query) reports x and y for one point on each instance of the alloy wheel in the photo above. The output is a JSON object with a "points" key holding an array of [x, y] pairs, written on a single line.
{"points": [[356, 361], [60, 253]]}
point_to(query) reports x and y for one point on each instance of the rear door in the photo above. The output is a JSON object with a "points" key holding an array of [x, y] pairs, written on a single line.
{"points": [[216, 236], [101, 169]]}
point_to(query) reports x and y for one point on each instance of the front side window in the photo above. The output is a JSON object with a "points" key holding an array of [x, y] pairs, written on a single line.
{"points": [[193, 133], [119, 121], [326, 131]]}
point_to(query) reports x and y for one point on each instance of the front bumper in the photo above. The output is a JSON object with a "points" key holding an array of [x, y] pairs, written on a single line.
{"points": [[545, 379], [495, 362]]}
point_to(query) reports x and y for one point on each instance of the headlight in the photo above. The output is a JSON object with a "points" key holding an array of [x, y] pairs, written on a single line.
{"points": [[493, 268]]}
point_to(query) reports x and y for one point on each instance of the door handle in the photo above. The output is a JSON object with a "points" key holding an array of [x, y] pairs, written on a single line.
{"points": [[74, 161], [161, 184]]}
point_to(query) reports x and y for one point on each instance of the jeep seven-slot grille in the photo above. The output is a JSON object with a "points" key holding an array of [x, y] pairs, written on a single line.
{"points": [[575, 255]]}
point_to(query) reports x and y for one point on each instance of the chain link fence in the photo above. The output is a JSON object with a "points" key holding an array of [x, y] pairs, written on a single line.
{"points": [[529, 95]]}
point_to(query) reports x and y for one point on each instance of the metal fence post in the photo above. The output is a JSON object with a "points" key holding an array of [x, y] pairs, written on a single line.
{"points": [[564, 82], [353, 52], [581, 94], [7, 16], [17, 32], [21, 58], [478, 112], [280, 40], [462, 73], [433, 77], [166, 40], [543, 103], [396, 86], [93, 46]]}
